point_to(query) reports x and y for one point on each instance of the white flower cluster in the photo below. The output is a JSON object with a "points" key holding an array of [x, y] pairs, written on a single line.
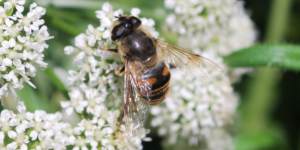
{"points": [[22, 40], [21, 130], [94, 64], [199, 109], [98, 127], [40, 130], [195, 107], [97, 93], [220, 25]]}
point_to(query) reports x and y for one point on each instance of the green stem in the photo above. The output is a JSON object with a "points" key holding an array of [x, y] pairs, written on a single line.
{"points": [[34, 144], [260, 99], [59, 20], [56, 81], [9, 12], [262, 91], [278, 19], [66, 27], [7, 139], [2, 105]]}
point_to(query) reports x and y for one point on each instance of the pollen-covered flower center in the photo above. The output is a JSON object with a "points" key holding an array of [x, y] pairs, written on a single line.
{"points": [[5, 126], [26, 21], [98, 136], [12, 54], [39, 126], [74, 103], [88, 50], [69, 131], [88, 126], [22, 116], [39, 39], [86, 68], [45, 144], [14, 32], [92, 102], [80, 142], [13, 2], [20, 138]]}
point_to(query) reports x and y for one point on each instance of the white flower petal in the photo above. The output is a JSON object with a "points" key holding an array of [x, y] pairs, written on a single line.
{"points": [[69, 111], [29, 116], [69, 50], [1, 138], [12, 134], [76, 148], [5, 44], [24, 147], [65, 104], [20, 8], [12, 146], [110, 147], [14, 122], [21, 39], [7, 62], [21, 2], [135, 12], [84, 148], [33, 135]]}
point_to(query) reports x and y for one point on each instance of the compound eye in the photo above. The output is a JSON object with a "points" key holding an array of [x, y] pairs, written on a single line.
{"points": [[129, 25], [117, 32], [121, 18], [135, 21]]}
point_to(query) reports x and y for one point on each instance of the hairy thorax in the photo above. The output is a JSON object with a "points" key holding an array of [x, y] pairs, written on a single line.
{"points": [[140, 47]]}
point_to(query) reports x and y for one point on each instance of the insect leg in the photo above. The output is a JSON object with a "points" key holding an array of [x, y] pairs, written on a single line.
{"points": [[171, 65], [118, 72], [121, 119], [112, 50]]}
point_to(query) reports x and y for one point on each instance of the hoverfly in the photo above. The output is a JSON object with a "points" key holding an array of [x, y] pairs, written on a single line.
{"points": [[147, 68]]}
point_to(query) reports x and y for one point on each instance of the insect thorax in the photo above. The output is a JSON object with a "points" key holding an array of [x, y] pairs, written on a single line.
{"points": [[138, 46]]}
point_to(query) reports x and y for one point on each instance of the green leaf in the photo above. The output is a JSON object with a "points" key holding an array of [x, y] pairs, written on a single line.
{"points": [[56, 81], [271, 137], [9, 12], [66, 27], [268, 55], [255, 141], [31, 99], [1, 104]]}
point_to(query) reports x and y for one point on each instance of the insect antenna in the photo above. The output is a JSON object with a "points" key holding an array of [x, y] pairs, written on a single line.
{"points": [[120, 16]]}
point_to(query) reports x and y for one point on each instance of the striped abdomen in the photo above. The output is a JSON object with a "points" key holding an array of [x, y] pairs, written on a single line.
{"points": [[159, 77]]}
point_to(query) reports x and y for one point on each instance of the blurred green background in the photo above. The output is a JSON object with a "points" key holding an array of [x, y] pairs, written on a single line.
{"points": [[268, 117]]}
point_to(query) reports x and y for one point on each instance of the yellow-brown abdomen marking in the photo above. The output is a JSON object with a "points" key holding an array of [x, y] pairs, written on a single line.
{"points": [[165, 71], [158, 89], [152, 81], [159, 95]]}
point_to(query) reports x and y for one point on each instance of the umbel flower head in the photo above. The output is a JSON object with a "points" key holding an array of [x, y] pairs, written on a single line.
{"points": [[22, 38], [195, 108], [39, 130], [198, 110], [221, 26], [20, 130]]}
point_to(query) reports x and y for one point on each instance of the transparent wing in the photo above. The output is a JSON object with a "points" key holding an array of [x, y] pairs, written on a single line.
{"points": [[136, 110], [188, 61]]}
